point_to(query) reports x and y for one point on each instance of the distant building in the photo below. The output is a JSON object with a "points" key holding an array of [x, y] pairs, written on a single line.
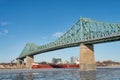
{"points": [[74, 60], [56, 60], [107, 63], [65, 62]]}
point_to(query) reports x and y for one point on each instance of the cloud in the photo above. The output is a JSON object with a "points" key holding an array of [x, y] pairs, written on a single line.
{"points": [[3, 32], [58, 34], [4, 23]]}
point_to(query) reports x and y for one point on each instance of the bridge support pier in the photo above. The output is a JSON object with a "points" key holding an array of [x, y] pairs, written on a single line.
{"points": [[29, 61], [87, 60], [20, 63]]}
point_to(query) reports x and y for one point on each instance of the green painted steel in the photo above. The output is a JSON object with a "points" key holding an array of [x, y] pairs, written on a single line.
{"points": [[85, 31]]}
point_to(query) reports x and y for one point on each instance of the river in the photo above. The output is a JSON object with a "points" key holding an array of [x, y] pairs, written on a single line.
{"points": [[60, 74]]}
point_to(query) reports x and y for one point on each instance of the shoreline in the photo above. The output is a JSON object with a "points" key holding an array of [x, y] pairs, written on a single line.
{"points": [[108, 67], [57, 68]]}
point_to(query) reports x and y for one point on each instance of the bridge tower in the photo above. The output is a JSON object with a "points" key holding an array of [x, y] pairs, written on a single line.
{"points": [[87, 60]]}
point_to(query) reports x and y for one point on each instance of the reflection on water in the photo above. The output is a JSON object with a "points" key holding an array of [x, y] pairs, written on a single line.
{"points": [[88, 75], [22, 76], [63, 74], [18, 76]]}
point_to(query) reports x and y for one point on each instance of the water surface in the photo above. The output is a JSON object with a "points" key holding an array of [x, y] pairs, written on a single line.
{"points": [[61, 74]]}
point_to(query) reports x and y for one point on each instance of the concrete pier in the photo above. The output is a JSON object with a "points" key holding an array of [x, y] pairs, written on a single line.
{"points": [[20, 63], [29, 61], [87, 60]]}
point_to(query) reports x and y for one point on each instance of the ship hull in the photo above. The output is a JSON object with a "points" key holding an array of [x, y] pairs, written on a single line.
{"points": [[55, 66]]}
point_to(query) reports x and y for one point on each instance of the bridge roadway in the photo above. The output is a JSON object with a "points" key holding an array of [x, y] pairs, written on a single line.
{"points": [[84, 33]]}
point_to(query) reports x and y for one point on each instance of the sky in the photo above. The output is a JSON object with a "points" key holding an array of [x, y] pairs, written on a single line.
{"points": [[43, 21]]}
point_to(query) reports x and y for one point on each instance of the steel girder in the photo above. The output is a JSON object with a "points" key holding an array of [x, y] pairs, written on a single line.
{"points": [[85, 31]]}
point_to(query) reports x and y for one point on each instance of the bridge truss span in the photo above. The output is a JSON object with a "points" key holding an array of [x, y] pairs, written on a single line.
{"points": [[84, 31]]}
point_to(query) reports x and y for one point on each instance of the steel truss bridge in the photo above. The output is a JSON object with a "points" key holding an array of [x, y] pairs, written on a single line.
{"points": [[84, 31]]}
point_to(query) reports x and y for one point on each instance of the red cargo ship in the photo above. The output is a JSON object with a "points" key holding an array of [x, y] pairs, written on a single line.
{"points": [[36, 66]]}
